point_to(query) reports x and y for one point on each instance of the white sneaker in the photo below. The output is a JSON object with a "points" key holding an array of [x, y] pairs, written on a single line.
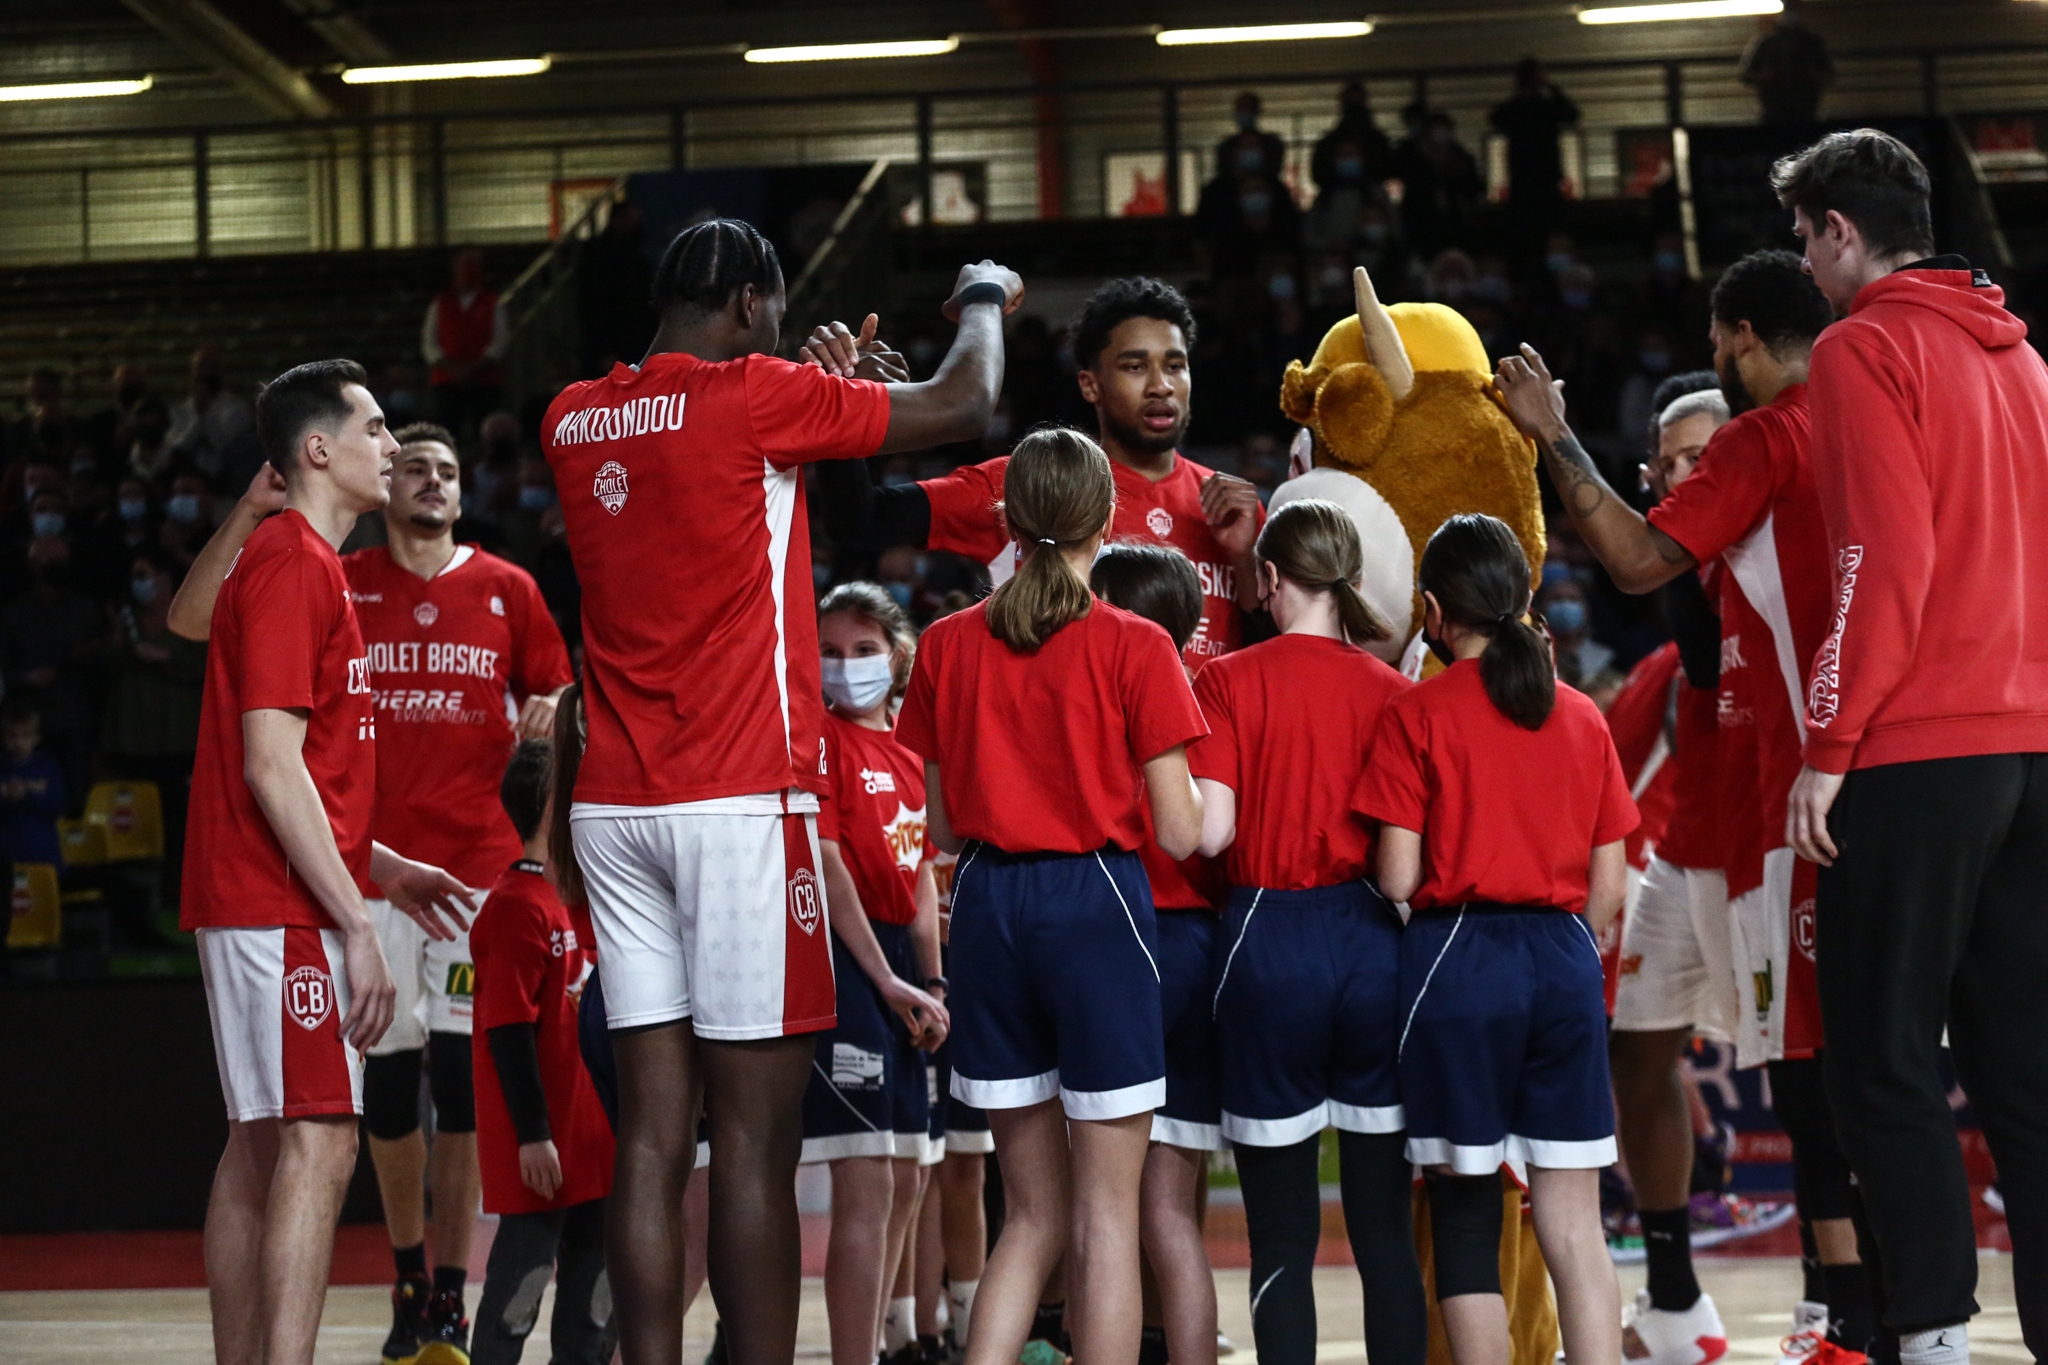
{"points": [[1809, 1330], [1658, 1336]]}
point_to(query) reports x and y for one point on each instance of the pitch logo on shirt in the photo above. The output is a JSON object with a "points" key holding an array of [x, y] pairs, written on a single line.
{"points": [[308, 997], [609, 487], [803, 900], [905, 834]]}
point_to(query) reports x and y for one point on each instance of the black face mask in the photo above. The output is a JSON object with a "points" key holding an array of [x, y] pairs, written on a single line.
{"points": [[1440, 649]]}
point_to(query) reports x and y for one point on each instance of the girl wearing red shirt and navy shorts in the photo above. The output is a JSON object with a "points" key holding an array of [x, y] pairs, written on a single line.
{"points": [[868, 1110], [1307, 996], [1047, 721], [1503, 809]]}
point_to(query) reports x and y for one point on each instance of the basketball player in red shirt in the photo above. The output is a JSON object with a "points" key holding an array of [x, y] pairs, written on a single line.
{"points": [[278, 861], [1752, 504], [459, 641], [1132, 341], [694, 819]]}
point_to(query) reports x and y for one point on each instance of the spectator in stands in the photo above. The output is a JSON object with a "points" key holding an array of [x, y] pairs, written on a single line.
{"points": [[1245, 220], [1632, 411], [1532, 119], [148, 455], [47, 636], [1354, 152], [463, 340], [31, 790], [211, 420], [1250, 151], [1788, 66], [1563, 604], [150, 729], [188, 519], [533, 497], [615, 291], [1440, 182], [111, 429], [46, 429]]}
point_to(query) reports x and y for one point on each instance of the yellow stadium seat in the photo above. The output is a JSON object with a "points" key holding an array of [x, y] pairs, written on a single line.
{"points": [[84, 844], [132, 815], [37, 920]]}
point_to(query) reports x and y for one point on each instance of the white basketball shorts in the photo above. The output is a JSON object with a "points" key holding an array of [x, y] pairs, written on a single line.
{"points": [[435, 978], [711, 911], [1677, 960], [277, 998]]}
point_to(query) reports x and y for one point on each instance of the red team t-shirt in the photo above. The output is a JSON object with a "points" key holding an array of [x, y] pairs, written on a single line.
{"points": [[683, 498], [530, 967], [1291, 722], [284, 637], [966, 520], [1752, 503], [1507, 815], [1041, 752], [452, 658], [874, 811]]}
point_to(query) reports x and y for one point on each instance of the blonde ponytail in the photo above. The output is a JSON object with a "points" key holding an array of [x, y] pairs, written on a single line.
{"points": [[1057, 492]]}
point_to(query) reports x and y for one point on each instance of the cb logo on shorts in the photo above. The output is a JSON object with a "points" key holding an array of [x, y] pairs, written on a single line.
{"points": [[1803, 928], [803, 900], [309, 997]]}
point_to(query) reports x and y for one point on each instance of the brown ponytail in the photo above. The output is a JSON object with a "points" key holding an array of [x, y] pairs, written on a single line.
{"points": [[1476, 570], [1314, 543], [568, 747], [1057, 492]]}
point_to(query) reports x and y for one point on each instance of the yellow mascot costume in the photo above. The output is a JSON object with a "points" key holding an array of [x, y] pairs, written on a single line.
{"points": [[1401, 427]]}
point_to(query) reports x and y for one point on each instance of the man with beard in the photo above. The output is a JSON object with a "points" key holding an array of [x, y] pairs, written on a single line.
{"points": [[451, 633], [1132, 342], [1752, 504]]}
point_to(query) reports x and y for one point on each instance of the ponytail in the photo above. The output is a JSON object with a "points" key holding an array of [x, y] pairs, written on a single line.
{"points": [[1057, 492], [1475, 569], [568, 747], [1314, 543]]}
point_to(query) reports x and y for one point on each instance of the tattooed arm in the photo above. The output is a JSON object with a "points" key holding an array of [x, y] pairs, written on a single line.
{"points": [[1639, 557]]}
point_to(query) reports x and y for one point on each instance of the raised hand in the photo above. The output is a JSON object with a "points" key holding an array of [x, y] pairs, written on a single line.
{"points": [[990, 273]]}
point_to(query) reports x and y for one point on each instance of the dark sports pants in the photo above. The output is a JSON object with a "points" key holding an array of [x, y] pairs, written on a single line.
{"points": [[1936, 912], [567, 1244]]}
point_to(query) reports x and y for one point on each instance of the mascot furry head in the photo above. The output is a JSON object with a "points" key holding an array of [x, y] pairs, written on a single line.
{"points": [[1402, 428]]}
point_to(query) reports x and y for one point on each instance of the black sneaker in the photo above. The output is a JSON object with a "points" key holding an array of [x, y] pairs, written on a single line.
{"points": [[445, 1338], [408, 1320], [909, 1353]]}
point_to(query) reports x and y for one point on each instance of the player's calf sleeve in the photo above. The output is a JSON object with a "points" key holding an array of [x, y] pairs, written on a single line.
{"points": [[1283, 1214], [1465, 1226], [391, 1095], [449, 1077], [1376, 1176]]}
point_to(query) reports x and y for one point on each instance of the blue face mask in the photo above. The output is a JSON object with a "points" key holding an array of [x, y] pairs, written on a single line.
{"points": [[143, 590], [1255, 204], [1577, 299], [901, 592], [1246, 120], [1669, 262], [183, 507], [1251, 161], [48, 523], [1349, 168], [1656, 362], [134, 509], [1566, 617], [534, 498]]}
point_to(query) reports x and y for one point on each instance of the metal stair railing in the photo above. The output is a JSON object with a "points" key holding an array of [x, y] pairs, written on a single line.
{"points": [[540, 304], [848, 275]]}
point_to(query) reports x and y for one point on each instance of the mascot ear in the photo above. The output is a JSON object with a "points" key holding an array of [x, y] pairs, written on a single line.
{"points": [[1298, 391], [1354, 413]]}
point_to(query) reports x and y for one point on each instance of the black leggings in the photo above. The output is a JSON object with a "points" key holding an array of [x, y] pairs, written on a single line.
{"points": [[391, 1089], [567, 1244], [1283, 1214], [1932, 916], [1821, 1181]]}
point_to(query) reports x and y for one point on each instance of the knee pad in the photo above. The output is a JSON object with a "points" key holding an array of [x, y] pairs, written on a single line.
{"points": [[449, 1077], [391, 1095], [1465, 1227]]}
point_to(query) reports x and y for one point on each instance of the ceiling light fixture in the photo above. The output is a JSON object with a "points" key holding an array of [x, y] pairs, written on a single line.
{"points": [[75, 90], [1683, 9], [1260, 33], [444, 71], [841, 52]]}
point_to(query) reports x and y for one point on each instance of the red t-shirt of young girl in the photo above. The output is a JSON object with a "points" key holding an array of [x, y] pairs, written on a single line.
{"points": [[1041, 752], [530, 968], [874, 811], [1507, 815]]}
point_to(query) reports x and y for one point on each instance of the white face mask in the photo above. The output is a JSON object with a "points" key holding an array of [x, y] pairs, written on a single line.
{"points": [[857, 685]]}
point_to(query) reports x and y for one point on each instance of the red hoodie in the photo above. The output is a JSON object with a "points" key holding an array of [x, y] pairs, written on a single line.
{"points": [[1930, 451]]}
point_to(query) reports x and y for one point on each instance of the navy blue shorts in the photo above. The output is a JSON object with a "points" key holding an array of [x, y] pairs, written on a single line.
{"points": [[1192, 1113], [1057, 983], [868, 1094], [1504, 1040], [1308, 1014]]}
